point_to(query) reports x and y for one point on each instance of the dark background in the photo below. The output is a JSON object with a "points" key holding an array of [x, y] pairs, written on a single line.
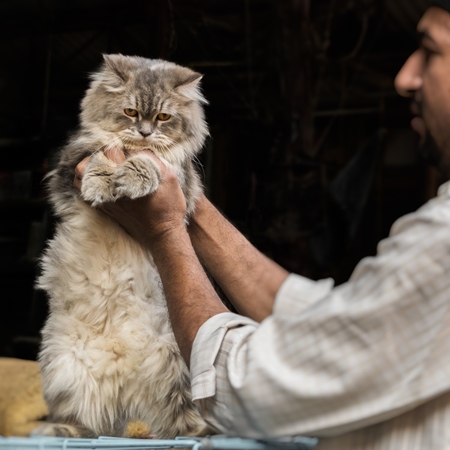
{"points": [[310, 153]]}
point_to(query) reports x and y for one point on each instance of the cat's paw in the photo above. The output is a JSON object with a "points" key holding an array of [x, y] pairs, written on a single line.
{"points": [[56, 430], [136, 177], [97, 190], [138, 430], [97, 185]]}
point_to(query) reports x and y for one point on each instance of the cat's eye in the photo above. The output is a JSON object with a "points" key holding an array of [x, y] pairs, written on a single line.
{"points": [[163, 116], [130, 112]]}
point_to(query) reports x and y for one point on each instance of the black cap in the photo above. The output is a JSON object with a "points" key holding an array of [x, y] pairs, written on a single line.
{"points": [[444, 4]]}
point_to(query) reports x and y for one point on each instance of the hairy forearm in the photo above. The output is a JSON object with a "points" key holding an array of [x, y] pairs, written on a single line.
{"points": [[191, 299], [248, 278]]}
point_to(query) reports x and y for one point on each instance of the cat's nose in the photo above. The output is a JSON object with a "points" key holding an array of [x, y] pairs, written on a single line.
{"points": [[145, 133]]}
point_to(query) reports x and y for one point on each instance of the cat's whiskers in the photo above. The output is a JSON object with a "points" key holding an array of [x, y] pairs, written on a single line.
{"points": [[172, 142], [168, 143], [199, 164], [129, 144], [100, 148], [115, 145], [160, 147]]}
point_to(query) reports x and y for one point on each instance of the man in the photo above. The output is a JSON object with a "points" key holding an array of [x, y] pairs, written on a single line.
{"points": [[364, 365]]}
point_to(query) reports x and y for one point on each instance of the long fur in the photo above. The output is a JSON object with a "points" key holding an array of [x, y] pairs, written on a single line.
{"points": [[108, 353]]}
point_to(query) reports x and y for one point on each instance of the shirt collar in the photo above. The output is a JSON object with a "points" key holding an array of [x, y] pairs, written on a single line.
{"points": [[444, 189]]}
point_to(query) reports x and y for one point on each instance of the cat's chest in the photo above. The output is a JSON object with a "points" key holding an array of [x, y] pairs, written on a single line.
{"points": [[114, 280]]}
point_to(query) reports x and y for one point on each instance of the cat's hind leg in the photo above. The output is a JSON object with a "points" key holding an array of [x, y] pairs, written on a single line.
{"points": [[138, 430]]}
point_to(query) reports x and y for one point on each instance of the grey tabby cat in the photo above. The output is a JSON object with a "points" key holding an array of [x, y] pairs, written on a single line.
{"points": [[108, 353]]}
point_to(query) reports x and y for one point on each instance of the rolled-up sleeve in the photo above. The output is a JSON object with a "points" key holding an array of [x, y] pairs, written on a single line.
{"points": [[220, 335], [221, 343], [295, 294], [208, 342]]}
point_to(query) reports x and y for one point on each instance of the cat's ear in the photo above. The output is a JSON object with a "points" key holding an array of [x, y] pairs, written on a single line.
{"points": [[122, 66], [116, 72], [188, 85]]}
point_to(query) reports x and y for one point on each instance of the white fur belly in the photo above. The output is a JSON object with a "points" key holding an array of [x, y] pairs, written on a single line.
{"points": [[107, 341]]}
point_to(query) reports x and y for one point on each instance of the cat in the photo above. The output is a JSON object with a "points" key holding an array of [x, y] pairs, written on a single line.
{"points": [[108, 354]]}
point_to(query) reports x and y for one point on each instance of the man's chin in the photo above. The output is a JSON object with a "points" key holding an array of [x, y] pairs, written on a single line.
{"points": [[429, 150]]}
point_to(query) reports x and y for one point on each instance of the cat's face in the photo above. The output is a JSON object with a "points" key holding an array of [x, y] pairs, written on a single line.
{"points": [[140, 103]]}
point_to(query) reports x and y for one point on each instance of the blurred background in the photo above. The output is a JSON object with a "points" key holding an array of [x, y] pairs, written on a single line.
{"points": [[310, 153]]}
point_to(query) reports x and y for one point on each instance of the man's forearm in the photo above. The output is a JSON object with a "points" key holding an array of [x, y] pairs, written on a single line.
{"points": [[249, 279], [191, 299]]}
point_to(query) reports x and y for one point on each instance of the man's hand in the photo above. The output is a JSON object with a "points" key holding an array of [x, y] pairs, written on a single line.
{"points": [[79, 172], [147, 218]]}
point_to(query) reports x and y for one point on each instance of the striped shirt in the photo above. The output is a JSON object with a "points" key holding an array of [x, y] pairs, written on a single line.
{"points": [[365, 365]]}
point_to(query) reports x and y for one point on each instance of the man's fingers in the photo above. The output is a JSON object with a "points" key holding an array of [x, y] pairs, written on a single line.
{"points": [[115, 154], [77, 182], [79, 172], [81, 167]]}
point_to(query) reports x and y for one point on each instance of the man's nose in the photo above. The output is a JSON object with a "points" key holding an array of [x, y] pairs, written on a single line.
{"points": [[409, 79]]}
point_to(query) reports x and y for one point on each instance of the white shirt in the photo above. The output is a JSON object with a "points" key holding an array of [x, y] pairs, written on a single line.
{"points": [[365, 365]]}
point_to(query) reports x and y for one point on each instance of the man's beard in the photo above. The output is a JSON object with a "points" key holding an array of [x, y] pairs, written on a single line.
{"points": [[428, 148], [429, 151]]}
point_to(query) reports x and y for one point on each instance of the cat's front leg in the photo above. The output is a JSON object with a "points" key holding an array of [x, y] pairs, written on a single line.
{"points": [[136, 177], [97, 186]]}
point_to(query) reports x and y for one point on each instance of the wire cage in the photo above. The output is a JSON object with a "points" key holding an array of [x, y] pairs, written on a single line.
{"points": [[211, 443]]}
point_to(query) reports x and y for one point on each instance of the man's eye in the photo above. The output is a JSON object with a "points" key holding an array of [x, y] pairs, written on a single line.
{"points": [[428, 51]]}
